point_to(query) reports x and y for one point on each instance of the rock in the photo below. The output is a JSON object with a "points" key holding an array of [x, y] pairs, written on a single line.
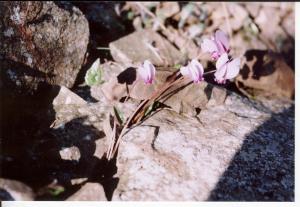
{"points": [[186, 100], [186, 45], [193, 97], [270, 30], [253, 8], [104, 21], [142, 45], [242, 42], [239, 14], [127, 83], [65, 97], [70, 153], [268, 73], [288, 24], [167, 9], [110, 70], [15, 190], [40, 36], [176, 157], [171, 157], [89, 192]]}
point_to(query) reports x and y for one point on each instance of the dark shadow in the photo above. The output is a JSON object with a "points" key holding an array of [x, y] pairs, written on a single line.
{"points": [[260, 67], [30, 148], [105, 27], [85, 93], [263, 169], [127, 76], [5, 196]]}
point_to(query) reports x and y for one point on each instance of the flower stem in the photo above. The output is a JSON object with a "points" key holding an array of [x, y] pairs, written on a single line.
{"points": [[143, 105]]}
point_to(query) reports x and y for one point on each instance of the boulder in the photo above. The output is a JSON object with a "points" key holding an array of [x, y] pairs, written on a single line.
{"points": [[41, 42]]}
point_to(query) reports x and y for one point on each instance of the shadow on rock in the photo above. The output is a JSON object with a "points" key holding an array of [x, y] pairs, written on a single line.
{"points": [[263, 169], [33, 153], [260, 61]]}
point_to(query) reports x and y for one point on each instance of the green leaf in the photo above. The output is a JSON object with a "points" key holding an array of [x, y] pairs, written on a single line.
{"points": [[119, 114], [94, 75]]}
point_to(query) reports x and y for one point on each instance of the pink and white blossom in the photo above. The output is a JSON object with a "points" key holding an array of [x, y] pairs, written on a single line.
{"points": [[147, 72], [226, 69], [193, 70], [216, 45]]}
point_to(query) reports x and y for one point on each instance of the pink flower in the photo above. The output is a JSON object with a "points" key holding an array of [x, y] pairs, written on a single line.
{"points": [[226, 69], [194, 70], [147, 72], [217, 45]]}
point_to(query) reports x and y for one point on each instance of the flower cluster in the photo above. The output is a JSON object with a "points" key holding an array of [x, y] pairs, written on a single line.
{"points": [[218, 47]]}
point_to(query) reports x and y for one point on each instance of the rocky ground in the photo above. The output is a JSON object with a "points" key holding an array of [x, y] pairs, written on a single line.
{"points": [[208, 142]]}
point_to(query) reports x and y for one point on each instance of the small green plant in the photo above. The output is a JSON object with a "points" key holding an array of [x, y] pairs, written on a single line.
{"points": [[94, 75]]}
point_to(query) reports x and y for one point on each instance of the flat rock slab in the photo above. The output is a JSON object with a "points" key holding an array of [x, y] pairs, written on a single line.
{"points": [[235, 151], [239, 150], [145, 44]]}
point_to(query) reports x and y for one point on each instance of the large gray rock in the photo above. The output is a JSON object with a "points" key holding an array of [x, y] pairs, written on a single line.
{"points": [[41, 41], [234, 149]]}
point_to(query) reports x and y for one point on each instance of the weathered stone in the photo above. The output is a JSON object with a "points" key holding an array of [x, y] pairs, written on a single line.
{"points": [[40, 35], [15, 190], [267, 72], [193, 153], [176, 158], [142, 45], [89, 192], [65, 96]]}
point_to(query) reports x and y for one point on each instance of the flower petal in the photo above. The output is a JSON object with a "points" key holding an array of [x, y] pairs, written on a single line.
{"points": [[220, 73], [209, 46], [147, 72], [184, 70], [143, 73], [196, 70], [222, 60], [233, 68], [221, 37]]}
